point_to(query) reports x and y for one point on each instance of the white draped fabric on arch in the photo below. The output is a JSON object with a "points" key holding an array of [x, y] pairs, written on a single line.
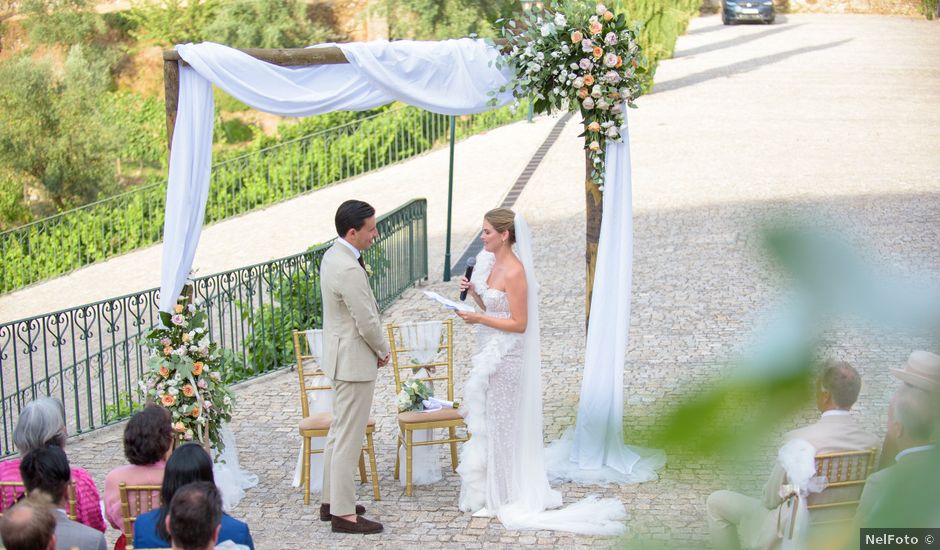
{"points": [[451, 77]]}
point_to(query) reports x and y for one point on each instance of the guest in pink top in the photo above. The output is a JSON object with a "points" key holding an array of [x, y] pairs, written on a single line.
{"points": [[41, 423], [148, 441]]}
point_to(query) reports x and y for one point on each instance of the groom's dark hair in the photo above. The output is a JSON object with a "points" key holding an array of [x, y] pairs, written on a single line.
{"points": [[352, 214]]}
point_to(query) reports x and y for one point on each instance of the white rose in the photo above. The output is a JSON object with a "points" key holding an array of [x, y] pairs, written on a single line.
{"points": [[616, 109], [613, 133], [578, 82], [601, 9], [548, 29], [596, 91], [560, 20], [588, 103], [602, 104]]}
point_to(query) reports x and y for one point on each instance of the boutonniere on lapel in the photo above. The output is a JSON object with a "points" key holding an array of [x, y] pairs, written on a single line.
{"points": [[368, 270]]}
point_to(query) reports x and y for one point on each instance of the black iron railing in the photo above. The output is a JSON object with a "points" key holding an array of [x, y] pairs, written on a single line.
{"points": [[91, 357]]}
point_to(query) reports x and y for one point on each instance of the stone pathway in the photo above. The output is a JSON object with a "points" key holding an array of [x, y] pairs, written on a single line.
{"points": [[833, 118]]}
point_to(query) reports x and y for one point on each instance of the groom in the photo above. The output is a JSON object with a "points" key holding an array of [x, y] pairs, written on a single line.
{"points": [[353, 348]]}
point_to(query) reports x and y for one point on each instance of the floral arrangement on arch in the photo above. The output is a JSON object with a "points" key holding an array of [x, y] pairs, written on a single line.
{"points": [[184, 373], [580, 57]]}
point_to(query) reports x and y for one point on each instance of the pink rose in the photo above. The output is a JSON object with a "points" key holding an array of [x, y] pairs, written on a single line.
{"points": [[576, 37]]}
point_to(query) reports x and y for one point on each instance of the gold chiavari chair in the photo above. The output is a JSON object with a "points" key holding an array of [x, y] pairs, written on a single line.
{"points": [[11, 491], [408, 422], [318, 424], [136, 500], [845, 474]]}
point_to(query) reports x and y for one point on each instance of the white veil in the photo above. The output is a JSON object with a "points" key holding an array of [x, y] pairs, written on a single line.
{"points": [[533, 498]]}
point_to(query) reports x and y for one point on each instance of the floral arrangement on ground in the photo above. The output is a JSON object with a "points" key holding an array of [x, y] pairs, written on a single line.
{"points": [[184, 374], [571, 55]]}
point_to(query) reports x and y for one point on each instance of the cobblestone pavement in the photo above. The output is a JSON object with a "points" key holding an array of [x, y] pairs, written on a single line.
{"points": [[832, 118]]}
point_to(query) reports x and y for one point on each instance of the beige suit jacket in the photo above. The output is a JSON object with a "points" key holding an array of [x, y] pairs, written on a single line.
{"points": [[353, 339], [831, 434]]}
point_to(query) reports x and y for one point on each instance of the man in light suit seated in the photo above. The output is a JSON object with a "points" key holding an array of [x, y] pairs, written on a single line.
{"points": [[46, 470], [740, 521], [907, 493]]}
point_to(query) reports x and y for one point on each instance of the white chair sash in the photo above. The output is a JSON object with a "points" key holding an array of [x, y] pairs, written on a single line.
{"points": [[320, 401], [424, 340]]}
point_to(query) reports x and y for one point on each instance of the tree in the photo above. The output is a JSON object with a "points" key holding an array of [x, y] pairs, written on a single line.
{"points": [[250, 24], [68, 22], [54, 126], [443, 19], [169, 22]]}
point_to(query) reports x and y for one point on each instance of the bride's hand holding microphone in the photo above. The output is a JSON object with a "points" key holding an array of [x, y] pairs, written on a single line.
{"points": [[466, 287]]}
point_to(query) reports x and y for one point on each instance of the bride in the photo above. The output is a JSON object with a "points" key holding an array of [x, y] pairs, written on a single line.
{"points": [[502, 466]]}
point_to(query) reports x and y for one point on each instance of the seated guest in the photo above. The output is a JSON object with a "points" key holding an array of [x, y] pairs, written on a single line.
{"points": [[148, 441], [921, 371], [42, 422], [47, 472], [739, 521], [907, 494], [195, 517], [29, 525], [188, 463]]}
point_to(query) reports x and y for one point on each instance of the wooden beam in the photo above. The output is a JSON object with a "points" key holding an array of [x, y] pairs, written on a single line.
{"points": [[594, 213], [285, 57], [171, 93]]}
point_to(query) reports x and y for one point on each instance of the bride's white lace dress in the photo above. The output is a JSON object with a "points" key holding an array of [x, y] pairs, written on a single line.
{"points": [[502, 465]]}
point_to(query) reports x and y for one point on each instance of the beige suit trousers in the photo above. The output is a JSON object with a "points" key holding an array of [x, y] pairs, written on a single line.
{"points": [[351, 408]]}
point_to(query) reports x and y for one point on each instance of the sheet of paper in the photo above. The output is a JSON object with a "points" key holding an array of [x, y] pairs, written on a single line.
{"points": [[449, 304]]}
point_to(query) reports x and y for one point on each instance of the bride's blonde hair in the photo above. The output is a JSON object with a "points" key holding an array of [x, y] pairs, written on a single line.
{"points": [[503, 219]]}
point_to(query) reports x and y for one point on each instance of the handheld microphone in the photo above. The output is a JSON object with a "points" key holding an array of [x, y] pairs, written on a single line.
{"points": [[470, 263]]}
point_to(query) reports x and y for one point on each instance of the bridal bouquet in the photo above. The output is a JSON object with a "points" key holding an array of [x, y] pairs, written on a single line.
{"points": [[570, 55], [184, 373], [412, 395]]}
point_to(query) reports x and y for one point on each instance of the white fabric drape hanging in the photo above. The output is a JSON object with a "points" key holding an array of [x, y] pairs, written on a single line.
{"points": [[450, 77], [595, 452]]}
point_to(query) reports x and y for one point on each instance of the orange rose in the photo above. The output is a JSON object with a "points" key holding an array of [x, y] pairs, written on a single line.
{"points": [[164, 372], [596, 27], [179, 427], [598, 52], [619, 62], [583, 93], [178, 308], [588, 79], [168, 400], [576, 37], [185, 337], [197, 368], [608, 15], [188, 391], [195, 412], [167, 350], [594, 127]]}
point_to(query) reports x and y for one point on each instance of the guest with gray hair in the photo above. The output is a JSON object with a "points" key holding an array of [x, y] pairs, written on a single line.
{"points": [[907, 494], [41, 423]]}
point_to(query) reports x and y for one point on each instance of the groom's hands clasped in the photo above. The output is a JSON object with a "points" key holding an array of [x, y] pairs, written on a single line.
{"points": [[382, 362]]}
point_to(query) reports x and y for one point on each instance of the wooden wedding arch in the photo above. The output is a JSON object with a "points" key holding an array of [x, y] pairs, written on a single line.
{"points": [[294, 57]]}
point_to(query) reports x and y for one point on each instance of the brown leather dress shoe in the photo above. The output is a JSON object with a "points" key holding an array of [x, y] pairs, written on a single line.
{"points": [[361, 526], [325, 514]]}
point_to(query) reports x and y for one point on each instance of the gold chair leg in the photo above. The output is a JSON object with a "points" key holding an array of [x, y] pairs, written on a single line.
{"points": [[375, 469], [397, 455], [362, 468], [453, 448], [305, 470], [408, 449]]}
